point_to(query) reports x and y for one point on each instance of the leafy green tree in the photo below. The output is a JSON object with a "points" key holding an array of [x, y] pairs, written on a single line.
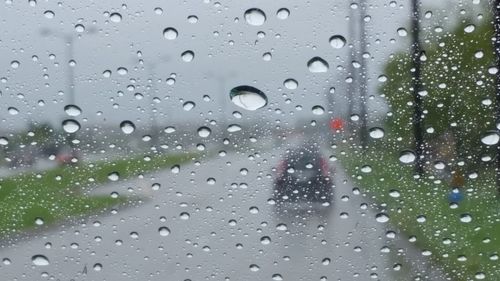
{"points": [[458, 77]]}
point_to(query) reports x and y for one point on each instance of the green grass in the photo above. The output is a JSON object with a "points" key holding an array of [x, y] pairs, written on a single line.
{"points": [[56, 194], [476, 241]]}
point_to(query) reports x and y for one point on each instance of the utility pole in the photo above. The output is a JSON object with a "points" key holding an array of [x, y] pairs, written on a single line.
{"points": [[496, 45], [417, 87], [363, 78]]}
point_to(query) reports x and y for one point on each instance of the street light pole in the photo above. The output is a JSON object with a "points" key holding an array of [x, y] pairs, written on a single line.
{"points": [[417, 87]]}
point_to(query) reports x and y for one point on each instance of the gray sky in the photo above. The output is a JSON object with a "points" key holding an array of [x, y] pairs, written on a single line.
{"points": [[228, 53]]}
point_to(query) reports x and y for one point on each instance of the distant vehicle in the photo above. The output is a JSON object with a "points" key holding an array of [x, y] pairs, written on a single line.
{"points": [[303, 175]]}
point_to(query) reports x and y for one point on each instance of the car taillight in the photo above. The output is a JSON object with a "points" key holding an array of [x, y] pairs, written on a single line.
{"points": [[325, 169]]}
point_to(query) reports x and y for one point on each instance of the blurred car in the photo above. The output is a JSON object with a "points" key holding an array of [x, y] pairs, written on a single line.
{"points": [[65, 156], [303, 175]]}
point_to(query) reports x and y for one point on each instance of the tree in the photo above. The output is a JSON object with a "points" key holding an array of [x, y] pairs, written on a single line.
{"points": [[458, 88]]}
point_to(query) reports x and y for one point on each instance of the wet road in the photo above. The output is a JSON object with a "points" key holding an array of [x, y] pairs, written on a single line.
{"points": [[221, 226]]}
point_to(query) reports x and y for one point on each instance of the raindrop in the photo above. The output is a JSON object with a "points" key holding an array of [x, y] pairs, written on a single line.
{"points": [[255, 17], [490, 138], [318, 110], [184, 216], [158, 10], [402, 32], [382, 218], [233, 128], [122, 71], [248, 97], [164, 231], [175, 169], [283, 14], [170, 33], [187, 56], [317, 65], [337, 41], [113, 176], [204, 132], [469, 28], [127, 127], [277, 277], [49, 14], [115, 17], [265, 240], [281, 227], [79, 28], [72, 110], [97, 267], [4, 141], [187, 106], [254, 267], [466, 218], [15, 64], [70, 126], [39, 221], [291, 84], [376, 133], [40, 260], [13, 111], [407, 157], [394, 193]]}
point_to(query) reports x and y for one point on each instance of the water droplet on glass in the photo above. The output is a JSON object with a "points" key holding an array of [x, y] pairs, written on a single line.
{"points": [[376, 133], [4, 141], [233, 128], [254, 267], [204, 132], [113, 176], [97, 267], [192, 19], [187, 106], [317, 65], [402, 32], [15, 64], [466, 218], [255, 17], [164, 231], [337, 41], [170, 33], [407, 157], [277, 277], [318, 110], [248, 97], [283, 13], [187, 56], [70, 126], [394, 193], [265, 240], [40, 260], [72, 110], [115, 17], [158, 10], [127, 127], [79, 28], [469, 28], [39, 221], [49, 14], [382, 218], [184, 216], [13, 110], [122, 71], [490, 138], [291, 84]]}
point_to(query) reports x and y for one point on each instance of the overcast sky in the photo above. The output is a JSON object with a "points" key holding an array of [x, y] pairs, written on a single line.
{"points": [[228, 52]]}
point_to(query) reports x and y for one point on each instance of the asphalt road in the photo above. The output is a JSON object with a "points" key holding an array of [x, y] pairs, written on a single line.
{"points": [[222, 230]]}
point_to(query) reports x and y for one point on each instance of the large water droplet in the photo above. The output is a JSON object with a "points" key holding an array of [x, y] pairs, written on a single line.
{"points": [[40, 260], [407, 157], [187, 56], [291, 84], [204, 132], [490, 138], [72, 110], [376, 133], [113, 176], [164, 231], [317, 65], [170, 33], [283, 14], [127, 127], [49, 14], [382, 218], [337, 41], [318, 110], [233, 128], [187, 106], [115, 17], [248, 97], [255, 17], [70, 126]]}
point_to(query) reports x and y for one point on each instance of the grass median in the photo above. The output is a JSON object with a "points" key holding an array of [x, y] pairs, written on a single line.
{"points": [[466, 250], [56, 194]]}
